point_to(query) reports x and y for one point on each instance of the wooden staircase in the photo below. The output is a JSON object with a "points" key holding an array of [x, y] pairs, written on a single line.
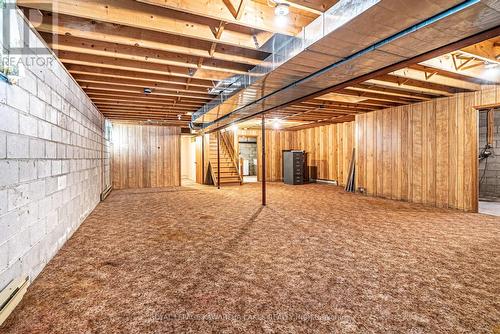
{"points": [[229, 174]]}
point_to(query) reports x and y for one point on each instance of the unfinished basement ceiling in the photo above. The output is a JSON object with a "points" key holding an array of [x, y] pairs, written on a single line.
{"points": [[404, 34], [116, 48], [462, 70], [182, 50]]}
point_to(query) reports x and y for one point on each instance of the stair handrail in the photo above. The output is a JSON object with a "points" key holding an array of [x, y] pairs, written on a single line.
{"points": [[231, 151]]}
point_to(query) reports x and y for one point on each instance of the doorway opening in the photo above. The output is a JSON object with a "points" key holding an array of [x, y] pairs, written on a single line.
{"points": [[248, 158], [489, 161], [188, 160]]}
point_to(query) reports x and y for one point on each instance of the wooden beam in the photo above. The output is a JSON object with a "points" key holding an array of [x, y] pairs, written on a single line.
{"points": [[107, 100], [423, 87], [82, 46], [415, 74], [317, 5], [377, 96], [487, 50], [167, 110], [141, 84], [365, 103], [86, 46], [104, 32], [251, 14], [145, 118], [128, 89], [142, 16], [141, 97], [136, 75], [139, 105], [164, 115], [445, 64], [75, 58], [373, 88]]}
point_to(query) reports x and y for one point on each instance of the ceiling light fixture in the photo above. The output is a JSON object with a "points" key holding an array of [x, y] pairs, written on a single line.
{"points": [[277, 123], [281, 9]]}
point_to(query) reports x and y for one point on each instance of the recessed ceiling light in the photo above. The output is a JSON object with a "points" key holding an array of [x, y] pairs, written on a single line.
{"points": [[148, 90]]}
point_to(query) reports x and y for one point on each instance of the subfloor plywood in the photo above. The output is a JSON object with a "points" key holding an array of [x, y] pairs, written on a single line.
{"points": [[316, 259]]}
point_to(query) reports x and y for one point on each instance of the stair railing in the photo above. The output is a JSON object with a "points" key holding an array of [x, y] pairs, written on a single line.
{"points": [[226, 141]]}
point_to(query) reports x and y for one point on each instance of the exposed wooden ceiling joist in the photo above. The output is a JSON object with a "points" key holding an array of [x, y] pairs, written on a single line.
{"points": [[452, 63], [171, 114], [104, 99], [83, 52], [365, 102], [134, 65], [319, 5], [137, 90], [430, 88], [85, 46], [251, 14], [434, 77], [487, 50], [378, 96], [144, 16], [142, 98], [105, 32], [175, 109], [133, 74], [88, 78]]}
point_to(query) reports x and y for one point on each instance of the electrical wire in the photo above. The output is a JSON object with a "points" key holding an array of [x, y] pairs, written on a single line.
{"points": [[481, 180]]}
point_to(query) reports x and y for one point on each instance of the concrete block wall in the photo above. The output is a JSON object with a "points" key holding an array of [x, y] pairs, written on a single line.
{"points": [[248, 151], [51, 164], [489, 186]]}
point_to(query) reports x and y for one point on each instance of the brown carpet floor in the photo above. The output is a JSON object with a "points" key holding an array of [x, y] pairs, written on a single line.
{"points": [[315, 260]]}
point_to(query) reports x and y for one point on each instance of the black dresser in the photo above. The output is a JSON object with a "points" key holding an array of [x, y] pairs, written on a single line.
{"points": [[293, 167]]}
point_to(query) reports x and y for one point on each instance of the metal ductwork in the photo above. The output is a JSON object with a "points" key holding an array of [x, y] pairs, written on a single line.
{"points": [[352, 39]]}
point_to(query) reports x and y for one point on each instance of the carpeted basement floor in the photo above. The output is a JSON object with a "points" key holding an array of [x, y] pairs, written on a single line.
{"points": [[315, 260]]}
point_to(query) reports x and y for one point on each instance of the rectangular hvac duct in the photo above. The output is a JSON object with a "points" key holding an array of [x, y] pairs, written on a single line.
{"points": [[353, 38]]}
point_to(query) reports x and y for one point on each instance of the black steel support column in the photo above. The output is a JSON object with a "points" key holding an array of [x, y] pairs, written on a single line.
{"points": [[218, 159], [263, 160]]}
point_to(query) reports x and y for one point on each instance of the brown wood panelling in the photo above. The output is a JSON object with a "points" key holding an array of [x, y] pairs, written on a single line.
{"points": [[425, 152], [145, 156], [329, 149]]}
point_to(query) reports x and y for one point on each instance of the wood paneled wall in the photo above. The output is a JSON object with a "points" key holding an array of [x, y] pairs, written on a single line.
{"points": [[145, 156], [329, 149], [425, 152], [276, 142]]}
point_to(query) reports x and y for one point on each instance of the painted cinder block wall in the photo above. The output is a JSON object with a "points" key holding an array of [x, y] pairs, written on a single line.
{"points": [[51, 163]]}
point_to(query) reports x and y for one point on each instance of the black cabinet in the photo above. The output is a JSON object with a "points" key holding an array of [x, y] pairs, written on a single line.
{"points": [[293, 167]]}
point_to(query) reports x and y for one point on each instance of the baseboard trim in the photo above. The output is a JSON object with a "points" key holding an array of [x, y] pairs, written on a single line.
{"points": [[11, 296]]}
